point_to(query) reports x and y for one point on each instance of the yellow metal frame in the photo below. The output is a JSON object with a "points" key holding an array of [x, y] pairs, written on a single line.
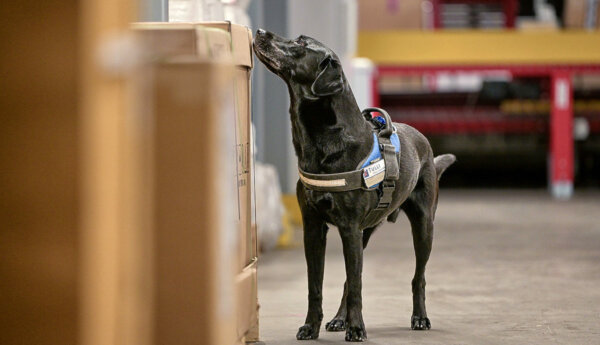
{"points": [[478, 47]]}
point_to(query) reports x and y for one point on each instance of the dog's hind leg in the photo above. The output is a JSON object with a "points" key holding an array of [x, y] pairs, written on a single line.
{"points": [[338, 323], [420, 208]]}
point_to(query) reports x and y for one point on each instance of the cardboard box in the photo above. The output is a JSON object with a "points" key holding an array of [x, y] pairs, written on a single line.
{"points": [[399, 84], [194, 228], [222, 41], [375, 15], [577, 13], [586, 81], [218, 41], [246, 292], [40, 156]]}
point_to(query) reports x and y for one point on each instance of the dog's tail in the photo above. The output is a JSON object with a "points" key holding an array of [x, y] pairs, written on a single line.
{"points": [[442, 162]]}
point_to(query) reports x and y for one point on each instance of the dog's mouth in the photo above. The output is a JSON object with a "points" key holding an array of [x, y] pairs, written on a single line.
{"points": [[266, 50], [263, 56]]}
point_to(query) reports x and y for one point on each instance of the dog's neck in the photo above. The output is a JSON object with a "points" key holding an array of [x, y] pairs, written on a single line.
{"points": [[329, 133]]}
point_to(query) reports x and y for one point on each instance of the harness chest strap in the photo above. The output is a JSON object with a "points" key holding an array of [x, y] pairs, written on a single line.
{"points": [[339, 182]]}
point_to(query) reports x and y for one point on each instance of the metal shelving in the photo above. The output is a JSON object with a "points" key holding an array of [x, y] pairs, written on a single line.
{"points": [[556, 56]]}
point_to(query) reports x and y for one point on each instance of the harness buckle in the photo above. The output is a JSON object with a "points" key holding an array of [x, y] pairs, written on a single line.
{"points": [[389, 185], [387, 189]]}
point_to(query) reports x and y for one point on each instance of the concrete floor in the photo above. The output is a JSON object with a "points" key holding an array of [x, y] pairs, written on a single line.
{"points": [[507, 267]]}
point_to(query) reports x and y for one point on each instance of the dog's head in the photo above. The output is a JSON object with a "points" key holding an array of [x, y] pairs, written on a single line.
{"points": [[302, 62]]}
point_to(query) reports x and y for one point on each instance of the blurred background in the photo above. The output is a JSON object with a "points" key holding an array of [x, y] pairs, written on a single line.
{"points": [[116, 227]]}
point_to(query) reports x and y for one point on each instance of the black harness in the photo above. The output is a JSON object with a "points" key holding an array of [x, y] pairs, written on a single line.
{"points": [[379, 174]]}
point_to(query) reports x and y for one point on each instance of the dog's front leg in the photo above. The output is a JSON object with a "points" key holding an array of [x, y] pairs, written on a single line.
{"points": [[338, 323], [315, 238], [353, 257]]}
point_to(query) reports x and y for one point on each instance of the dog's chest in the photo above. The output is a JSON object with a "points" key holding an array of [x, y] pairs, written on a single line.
{"points": [[342, 209]]}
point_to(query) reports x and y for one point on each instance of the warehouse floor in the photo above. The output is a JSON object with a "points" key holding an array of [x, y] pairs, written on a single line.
{"points": [[507, 267]]}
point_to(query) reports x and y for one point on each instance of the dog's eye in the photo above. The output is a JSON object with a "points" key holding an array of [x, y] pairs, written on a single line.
{"points": [[326, 61], [297, 51]]}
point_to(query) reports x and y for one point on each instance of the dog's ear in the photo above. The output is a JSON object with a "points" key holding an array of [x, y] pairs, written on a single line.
{"points": [[329, 81]]}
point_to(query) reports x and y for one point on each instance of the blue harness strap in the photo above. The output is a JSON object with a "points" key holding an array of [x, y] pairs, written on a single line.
{"points": [[376, 151]]}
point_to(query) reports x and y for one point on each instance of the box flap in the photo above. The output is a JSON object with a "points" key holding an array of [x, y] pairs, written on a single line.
{"points": [[203, 39], [162, 40], [213, 44], [241, 41], [161, 25]]}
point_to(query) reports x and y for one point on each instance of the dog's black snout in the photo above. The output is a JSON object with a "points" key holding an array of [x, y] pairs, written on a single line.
{"points": [[264, 33]]}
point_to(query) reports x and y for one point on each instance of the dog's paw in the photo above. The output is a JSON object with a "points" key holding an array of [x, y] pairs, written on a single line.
{"points": [[336, 325], [308, 332], [356, 334], [420, 323]]}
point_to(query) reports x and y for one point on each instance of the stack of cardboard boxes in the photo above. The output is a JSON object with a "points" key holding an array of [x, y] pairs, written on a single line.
{"points": [[125, 186]]}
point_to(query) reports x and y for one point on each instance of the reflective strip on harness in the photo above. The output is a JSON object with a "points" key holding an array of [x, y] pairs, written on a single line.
{"points": [[322, 183]]}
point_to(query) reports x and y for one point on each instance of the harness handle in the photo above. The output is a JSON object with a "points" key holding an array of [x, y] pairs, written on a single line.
{"points": [[387, 130]]}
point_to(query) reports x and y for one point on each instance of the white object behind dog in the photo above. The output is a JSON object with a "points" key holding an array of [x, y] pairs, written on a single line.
{"points": [[269, 209]]}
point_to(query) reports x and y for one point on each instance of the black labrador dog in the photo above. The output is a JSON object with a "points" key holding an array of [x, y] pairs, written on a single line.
{"points": [[330, 135]]}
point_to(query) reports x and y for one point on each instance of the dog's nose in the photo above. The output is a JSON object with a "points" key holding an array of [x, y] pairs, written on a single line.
{"points": [[264, 33]]}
